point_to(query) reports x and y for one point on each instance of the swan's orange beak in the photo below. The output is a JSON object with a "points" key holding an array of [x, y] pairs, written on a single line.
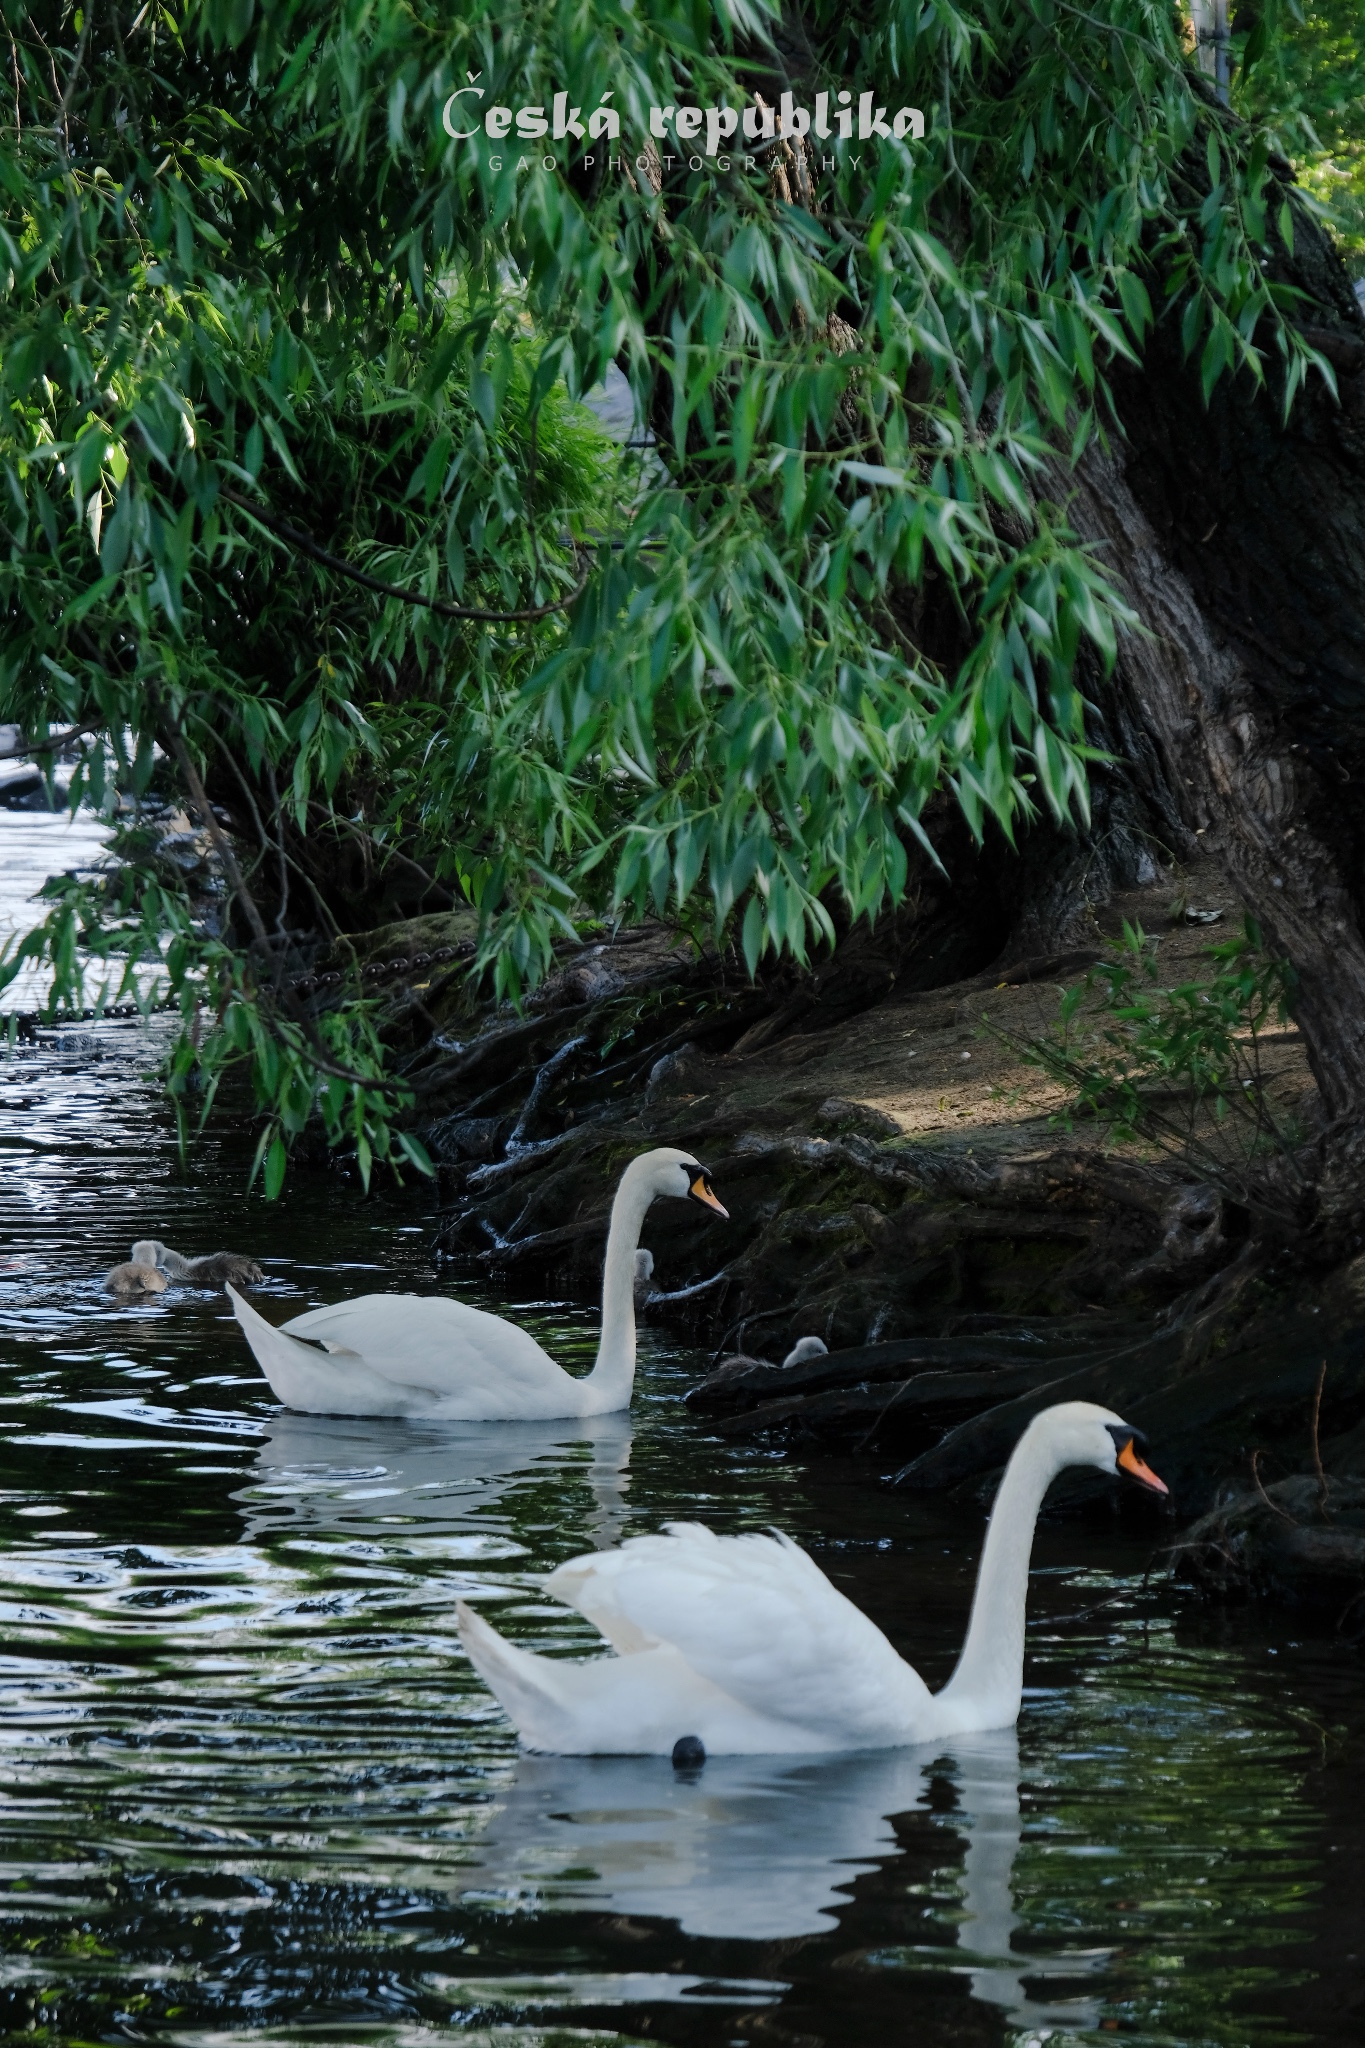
{"points": [[702, 1191], [1132, 1464]]}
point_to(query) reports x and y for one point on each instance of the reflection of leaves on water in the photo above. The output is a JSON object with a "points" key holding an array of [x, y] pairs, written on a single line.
{"points": [[1194, 1801]]}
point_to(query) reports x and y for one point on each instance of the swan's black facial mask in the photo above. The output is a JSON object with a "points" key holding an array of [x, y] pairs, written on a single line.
{"points": [[700, 1189], [1126, 1441]]}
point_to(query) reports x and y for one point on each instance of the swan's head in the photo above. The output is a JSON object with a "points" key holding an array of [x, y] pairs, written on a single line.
{"points": [[670, 1172], [146, 1252], [1079, 1433]]}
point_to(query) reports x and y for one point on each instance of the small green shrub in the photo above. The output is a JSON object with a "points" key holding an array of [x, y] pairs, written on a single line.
{"points": [[1180, 1067]]}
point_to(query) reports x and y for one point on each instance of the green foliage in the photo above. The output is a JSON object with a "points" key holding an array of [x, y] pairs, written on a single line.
{"points": [[1303, 75], [1180, 1067], [242, 266]]}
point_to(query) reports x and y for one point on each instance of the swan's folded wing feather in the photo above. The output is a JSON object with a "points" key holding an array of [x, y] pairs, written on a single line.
{"points": [[758, 1618], [429, 1341]]}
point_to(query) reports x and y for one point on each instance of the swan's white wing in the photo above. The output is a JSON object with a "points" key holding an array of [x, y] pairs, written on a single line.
{"points": [[759, 1619], [428, 1341]]}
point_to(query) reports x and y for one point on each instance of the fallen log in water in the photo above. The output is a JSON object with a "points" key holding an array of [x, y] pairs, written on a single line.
{"points": [[868, 1409], [1300, 1539], [961, 1405], [1218, 1390], [897, 1396], [747, 1384]]}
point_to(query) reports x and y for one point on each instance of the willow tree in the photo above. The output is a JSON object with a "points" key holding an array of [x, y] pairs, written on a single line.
{"points": [[299, 510]]}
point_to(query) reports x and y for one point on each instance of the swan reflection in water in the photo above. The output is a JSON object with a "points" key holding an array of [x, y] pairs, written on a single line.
{"points": [[766, 1849], [333, 1471]]}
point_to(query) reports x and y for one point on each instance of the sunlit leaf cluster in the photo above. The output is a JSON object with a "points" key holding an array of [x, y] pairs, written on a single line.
{"points": [[1302, 74]]}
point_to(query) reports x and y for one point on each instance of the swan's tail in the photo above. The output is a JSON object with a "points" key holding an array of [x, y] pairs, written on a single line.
{"points": [[297, 1373], [534, 1692], [609, 1706]]}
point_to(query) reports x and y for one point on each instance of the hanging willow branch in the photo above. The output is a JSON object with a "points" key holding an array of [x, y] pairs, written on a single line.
{"points": [[305, 543]]}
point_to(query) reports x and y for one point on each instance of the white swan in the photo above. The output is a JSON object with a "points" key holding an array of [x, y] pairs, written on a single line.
{"points": [[416, 1354], [743, 1642]]}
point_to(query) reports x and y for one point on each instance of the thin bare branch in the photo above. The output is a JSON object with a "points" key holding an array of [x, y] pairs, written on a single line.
{"points": [[1324, 1483], [53, 744], [222, 845], [1256, 1477], [59, 119]]}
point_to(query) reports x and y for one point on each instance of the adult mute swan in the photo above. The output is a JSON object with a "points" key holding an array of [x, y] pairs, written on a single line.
{"points": [[417, 1354], [742, 1642]]}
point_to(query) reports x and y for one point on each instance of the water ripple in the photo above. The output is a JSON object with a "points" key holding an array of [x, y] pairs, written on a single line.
{"points": [[251, 1791]]}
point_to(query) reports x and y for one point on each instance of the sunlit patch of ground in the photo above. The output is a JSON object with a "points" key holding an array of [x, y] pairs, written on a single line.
{"points": [[946, 1063]]}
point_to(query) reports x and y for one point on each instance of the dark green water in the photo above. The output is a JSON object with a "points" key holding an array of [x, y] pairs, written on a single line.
{"points": [[252, 1792]]}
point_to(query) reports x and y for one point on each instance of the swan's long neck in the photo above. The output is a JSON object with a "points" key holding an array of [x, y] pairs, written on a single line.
{"points": [[989, 1680], [613, 1376]]}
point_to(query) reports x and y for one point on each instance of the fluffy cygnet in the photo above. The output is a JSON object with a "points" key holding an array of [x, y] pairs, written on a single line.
{"points": [[214, 1269], [644, 1276], [136, 1276], [739, 1362]]}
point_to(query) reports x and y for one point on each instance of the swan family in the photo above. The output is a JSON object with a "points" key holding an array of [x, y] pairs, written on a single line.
{"points": [[733, 1645]]}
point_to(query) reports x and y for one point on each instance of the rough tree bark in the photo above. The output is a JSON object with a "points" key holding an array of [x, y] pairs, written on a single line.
{"points": [[1242, 543]]}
